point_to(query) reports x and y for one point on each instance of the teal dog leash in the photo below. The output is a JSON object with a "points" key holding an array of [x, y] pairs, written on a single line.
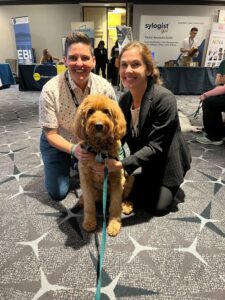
{"points": [[103, 242]]}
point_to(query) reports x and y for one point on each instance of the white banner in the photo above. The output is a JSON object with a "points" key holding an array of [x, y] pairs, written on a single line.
{"points": [[216, 47], [85, 27], [124, 36], [23, 40], [221, 19], [165, 34]]}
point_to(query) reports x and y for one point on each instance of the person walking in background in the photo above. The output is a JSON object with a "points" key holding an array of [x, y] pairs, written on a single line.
{"points": [[154, 137], [114, 63], [101, 58], [189, 48], [58, 104], [47, 57]]}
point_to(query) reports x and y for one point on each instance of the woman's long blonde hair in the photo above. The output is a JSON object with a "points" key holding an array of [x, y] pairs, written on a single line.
{"points": [[147, 58]]}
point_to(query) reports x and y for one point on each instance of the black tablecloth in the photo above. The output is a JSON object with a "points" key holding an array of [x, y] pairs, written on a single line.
{"points": [[6, 76], [33, 77], [188, 80]]}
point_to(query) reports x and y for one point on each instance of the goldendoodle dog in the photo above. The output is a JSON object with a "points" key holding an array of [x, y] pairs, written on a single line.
{"points": [[100, 124]]}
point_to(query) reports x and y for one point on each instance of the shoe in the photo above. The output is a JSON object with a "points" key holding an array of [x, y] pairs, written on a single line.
{"points": [[206, 141]]}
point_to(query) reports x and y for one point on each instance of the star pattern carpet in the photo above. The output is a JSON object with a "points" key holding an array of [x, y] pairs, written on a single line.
{"points": [[45, 253]]}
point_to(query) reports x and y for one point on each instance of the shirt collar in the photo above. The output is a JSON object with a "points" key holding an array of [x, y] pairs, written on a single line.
{"points": [[75, 87]]}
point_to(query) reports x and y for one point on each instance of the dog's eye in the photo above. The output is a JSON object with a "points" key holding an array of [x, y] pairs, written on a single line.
{"points": [[90, 112], [107, 112]]}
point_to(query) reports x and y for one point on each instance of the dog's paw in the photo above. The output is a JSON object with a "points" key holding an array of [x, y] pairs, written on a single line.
{"points": [[127, 207], [113, 227], [89, 225]]}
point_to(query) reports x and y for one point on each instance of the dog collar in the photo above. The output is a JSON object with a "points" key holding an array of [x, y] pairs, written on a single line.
{"points": [[100, 156]]}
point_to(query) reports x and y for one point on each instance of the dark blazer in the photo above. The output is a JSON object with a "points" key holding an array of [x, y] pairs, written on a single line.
{"points": [[160, 148], [101, 56]]}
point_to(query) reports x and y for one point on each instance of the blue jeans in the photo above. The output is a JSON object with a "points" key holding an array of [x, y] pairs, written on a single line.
{"points": [[57, 170]]}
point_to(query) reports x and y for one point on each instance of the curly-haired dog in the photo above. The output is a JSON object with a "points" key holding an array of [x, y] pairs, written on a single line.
{"points": [[100, 124]]}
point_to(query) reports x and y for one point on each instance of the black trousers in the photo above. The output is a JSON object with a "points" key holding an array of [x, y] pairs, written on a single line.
{"points": [[154, 197], [102, 67], [212, 117]]}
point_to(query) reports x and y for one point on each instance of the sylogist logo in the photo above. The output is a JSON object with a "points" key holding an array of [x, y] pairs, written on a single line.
{"points": [[158, 26]]}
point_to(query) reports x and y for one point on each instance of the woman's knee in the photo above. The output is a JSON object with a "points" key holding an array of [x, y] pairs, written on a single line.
{"points": [[58, 193], [165, 200], [209, 103]]}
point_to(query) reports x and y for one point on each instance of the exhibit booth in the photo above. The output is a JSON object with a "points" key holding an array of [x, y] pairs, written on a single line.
{"points": [[32, 77]]}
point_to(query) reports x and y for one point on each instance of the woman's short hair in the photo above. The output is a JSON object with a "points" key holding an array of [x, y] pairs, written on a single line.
{"points": [[75, 38], [147, 59]]}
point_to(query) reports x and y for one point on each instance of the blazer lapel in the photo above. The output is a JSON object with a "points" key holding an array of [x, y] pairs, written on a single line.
{"points": [[127, 112], [145, 106]]}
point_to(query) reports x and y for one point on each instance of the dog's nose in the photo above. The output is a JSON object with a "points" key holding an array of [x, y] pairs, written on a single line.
{"points": [[99, 126]]}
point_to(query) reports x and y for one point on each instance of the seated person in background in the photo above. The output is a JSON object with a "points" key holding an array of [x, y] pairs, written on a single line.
{"points": [[47, 57], [220, 77], [213, 105], [154, 137], [189, 48]]}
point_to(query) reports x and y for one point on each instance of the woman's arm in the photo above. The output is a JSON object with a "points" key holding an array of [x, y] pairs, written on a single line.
{"points": [[56, 58], [41, 60], [57, 141], [219, 90]]}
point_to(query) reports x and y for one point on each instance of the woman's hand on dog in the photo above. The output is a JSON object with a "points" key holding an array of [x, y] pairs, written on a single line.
{"points": [[112, 164], [80, 153]]}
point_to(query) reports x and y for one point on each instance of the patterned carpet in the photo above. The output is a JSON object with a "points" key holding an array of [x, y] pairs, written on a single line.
{"points": [[45, 254]]}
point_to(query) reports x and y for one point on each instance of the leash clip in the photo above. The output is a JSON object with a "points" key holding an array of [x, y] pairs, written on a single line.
{"points": [[101, 157]]}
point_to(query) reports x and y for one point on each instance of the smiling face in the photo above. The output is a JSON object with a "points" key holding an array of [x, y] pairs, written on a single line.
{"points": [[133, 70], [80, 62]]}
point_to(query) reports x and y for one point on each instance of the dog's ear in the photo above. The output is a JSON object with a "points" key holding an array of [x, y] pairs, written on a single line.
{"points": [[79, 122], [119, 121]]}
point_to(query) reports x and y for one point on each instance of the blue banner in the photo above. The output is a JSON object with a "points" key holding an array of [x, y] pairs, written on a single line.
{"points": [[23, 40]]}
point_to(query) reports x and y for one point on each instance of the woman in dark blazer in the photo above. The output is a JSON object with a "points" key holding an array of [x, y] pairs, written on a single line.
{"points": [[157, 147]]}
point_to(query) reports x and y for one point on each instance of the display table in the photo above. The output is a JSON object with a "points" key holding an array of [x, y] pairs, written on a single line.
{"points": [[33, 77], [6, 76], [188, 80]]}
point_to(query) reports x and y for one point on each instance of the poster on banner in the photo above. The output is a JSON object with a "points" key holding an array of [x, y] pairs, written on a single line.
{"points": [[216, 46], [23, 40], [165, 34], [85, 27], [221, 18], [124, 36]]}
